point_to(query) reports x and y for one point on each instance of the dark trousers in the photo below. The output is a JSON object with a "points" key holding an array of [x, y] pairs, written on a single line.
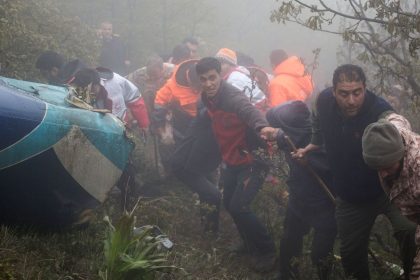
{"points": [[300, 218], [208, 193], [240, 186], [355, 222]]}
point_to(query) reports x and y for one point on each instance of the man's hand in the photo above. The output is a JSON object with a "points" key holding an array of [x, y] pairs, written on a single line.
{"points": [[299, 154], [269, 133]]}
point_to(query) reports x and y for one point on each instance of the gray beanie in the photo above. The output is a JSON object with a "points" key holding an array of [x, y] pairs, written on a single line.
{"points": [[382, 145]]}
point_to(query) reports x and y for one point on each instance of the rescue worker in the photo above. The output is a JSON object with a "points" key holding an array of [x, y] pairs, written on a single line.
{"points": [[179, 95], [195, 162], [290, 82], [393, 149], [232, 116], [127, 101], [262, 78], [180, 53], [123, 99], [340, 116], [113, 52], [238, 76], [151, 78], [192, 44], [86, 82], [118, 94], [308, 206], [54, 69]]}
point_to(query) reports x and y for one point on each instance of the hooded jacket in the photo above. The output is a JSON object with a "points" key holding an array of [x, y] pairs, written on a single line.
{"points": [[290, 82], [180, 96], [178, 90], [293, 118]]}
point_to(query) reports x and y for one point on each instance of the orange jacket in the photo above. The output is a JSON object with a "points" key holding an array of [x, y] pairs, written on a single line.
{"points": [[176, 90], [290, 82]]}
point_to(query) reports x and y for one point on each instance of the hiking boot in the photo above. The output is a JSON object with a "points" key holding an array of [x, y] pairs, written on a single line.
{"points": [[264, 263]]}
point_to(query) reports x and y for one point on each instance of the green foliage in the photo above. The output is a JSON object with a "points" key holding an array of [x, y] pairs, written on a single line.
{"points": [[29, 27], [129, 255]]}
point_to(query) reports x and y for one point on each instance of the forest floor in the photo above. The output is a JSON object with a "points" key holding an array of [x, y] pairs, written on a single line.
{"points": [[78, 254]]}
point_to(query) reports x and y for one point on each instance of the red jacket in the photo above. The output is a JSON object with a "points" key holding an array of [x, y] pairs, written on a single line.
{"points": [[232, 115], [139, 112], [290, 82]]}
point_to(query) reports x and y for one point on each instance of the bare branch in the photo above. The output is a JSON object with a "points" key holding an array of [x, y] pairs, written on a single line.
{"points": [[350, 16], [314, 8]]}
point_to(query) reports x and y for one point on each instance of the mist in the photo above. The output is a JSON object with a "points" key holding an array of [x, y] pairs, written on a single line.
{"points": [[242, 25], [248, 28]]}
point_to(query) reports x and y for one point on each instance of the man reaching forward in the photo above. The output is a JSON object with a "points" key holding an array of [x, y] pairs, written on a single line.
{"points": [[233, 117]]}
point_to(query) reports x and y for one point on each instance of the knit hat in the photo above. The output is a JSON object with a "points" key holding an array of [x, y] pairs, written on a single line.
{"points": [[382, 145], [227, 55]]}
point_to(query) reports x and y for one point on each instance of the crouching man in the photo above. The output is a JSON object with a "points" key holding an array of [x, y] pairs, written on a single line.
{"points": [[309, 205], [232, 116], [390, 147]]}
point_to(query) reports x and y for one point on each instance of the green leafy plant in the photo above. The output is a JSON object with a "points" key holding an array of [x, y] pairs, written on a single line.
{"points": [[130, 255]]}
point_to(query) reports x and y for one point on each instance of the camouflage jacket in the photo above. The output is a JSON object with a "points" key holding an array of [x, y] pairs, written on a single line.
{"points": [[148, 86], [404, 191]]}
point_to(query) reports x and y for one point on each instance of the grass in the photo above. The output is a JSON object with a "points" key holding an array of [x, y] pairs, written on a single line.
{"points": [[79, 254]]}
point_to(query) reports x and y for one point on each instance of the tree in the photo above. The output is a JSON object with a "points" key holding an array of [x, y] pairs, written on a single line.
{"points": [[387, 32], [147, 26], [28, 27]]}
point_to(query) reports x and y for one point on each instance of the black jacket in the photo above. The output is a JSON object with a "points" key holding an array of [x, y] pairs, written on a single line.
{"points": [[113, 55], [198, 151], [354, 181], [293, 118]]}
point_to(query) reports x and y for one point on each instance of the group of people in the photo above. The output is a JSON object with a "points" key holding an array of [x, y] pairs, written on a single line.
{"points": [[351, 157]]}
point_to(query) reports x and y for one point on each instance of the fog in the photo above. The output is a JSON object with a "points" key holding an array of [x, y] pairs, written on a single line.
{"points": [[156, 26], [242, 25], [248, 28]]}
